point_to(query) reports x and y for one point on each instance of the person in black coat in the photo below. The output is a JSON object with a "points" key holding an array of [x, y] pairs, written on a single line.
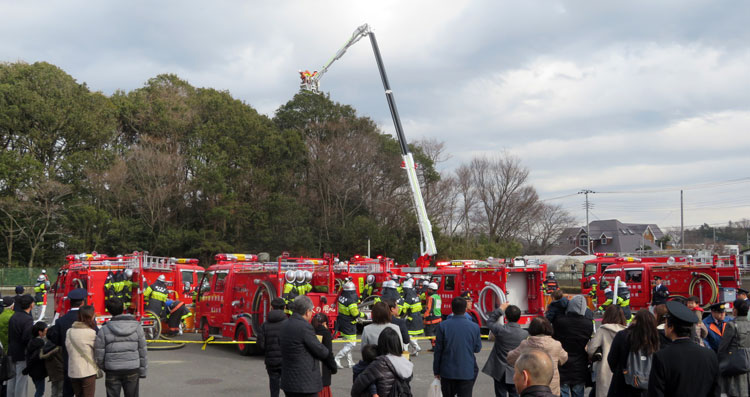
{"points": [[557, 307], [574, 331], [319, 323], [268, 341], [398, 321], [301, 352], [35, 366], [19, 335], [641, 337], [59, 331], [683, 368]]}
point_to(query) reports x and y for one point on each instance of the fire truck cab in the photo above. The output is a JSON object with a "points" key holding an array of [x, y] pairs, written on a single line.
{"points": [[235, 294], [711, 280]]}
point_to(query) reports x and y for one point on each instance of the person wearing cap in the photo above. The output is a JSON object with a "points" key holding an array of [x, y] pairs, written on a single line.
{"points": [[715, 325], [683, 368], [269, 342], [58, 332], [659, 294], [742, 294], [432, 312]]}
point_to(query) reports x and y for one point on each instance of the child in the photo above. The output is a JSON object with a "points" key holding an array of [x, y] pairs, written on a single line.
{"points": [[34, 363], [53, 361], [319, 323], [369, 354]]}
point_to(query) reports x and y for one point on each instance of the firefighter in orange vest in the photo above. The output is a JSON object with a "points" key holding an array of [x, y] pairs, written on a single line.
{"points": [[715, 324], [432, 314], [550, 284]]}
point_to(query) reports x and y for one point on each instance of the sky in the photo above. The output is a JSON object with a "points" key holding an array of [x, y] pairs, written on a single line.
{"points": [[632, 100]]}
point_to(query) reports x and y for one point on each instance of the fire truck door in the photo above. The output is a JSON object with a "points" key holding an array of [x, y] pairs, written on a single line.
{"points": [[639, 287], [517, 290]]}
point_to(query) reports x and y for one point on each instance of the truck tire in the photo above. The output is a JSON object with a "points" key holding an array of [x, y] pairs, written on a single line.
{"points": [[245, 349], [205, 329], [261, 304]]}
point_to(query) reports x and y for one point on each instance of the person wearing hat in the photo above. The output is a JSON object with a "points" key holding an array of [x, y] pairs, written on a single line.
{"points": [[19, 292], [268, 341], [742, 294], [683, 368], [41, 288], [58, 332], [414, 320], [8, 303], [659, 294], [348, 306], [432, 312], [155, 296], [715, 325]]}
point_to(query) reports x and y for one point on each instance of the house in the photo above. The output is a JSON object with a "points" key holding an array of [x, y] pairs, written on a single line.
{"points": [[609, 236]]}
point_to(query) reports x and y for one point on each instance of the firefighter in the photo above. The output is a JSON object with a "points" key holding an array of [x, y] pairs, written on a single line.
{"points": [[109, 290], [390, 291], [368, 288], [608, 295], [127, 288], [347, 322], [413, 310], [290, 290], [592, 293], [306, 286], [423, 292], [40, 296], [118, 285], [432, 313], [178, 312], [398, 287], [550, 284], [623, 299], [155, 296]]}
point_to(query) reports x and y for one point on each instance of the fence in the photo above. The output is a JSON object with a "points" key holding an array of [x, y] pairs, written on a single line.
{"points": [[12, 276]]}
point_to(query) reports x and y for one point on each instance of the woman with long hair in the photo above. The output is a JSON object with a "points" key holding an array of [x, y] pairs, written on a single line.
{"points": [[599, 346], [390, 367], [320, 325], [381, 319], [79, 342], [641, 338], [540, 337]]}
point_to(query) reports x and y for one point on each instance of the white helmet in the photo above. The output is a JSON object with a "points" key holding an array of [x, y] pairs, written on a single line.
{"points": [[349, 286], [408, 276], [289, 276], [409, 283], [551, 274], [621, 284], [161, 278], [592, 278], [370, 279], [425, 283], [128, 273], [44, 271], [394, 278], [40, 278], [299, 276], [433, 286], [389, 284], [308, 276]]}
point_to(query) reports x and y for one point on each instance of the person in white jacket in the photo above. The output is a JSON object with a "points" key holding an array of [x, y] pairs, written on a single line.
{"points": [[598, 347], [79, 342]]}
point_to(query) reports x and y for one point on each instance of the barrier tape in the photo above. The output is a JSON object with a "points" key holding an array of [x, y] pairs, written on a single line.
{"points": [[211, 341]]}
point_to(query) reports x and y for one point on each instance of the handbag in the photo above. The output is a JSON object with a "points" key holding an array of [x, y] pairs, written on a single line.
{"points": [[736, 360], [99, 372], [7, 368]]}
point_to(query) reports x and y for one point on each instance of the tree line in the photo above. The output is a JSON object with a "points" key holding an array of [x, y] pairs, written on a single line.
{"points": [[178, 170]]}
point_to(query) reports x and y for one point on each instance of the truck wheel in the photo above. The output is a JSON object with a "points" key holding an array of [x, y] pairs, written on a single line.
{"points": [[245, 349], [205, 329], [261, 304]]}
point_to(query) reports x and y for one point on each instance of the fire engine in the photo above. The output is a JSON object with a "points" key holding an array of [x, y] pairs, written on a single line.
{"points": [[712, 280], [235, 294], [359, 267]]}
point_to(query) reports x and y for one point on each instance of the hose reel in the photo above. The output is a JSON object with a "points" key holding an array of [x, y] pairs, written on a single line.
{"points": [[500, 298]]}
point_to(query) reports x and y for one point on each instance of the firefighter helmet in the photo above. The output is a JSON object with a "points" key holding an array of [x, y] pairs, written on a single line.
{"points": [[389, 284], [40, 278], [408, 276], [425, 283], [44, 271], [621, 284], [349, 286], [370, 279], [433, 286], [605, 283], [308, 276], [128, 273], [289, 276], [299, 276], [551, 275], [161, 278], [409, 283], [593, 279], [394, 278]]}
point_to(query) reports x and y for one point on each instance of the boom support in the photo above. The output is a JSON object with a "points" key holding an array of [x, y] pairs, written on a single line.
{"points": [[311, 82]]}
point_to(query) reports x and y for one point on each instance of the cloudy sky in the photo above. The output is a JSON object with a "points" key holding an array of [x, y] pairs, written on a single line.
{"points": [[633, 100]]}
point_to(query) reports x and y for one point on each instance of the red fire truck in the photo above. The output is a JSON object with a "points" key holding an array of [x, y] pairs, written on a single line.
{"points": [[359, 267], [711, 281], [235, 294]]}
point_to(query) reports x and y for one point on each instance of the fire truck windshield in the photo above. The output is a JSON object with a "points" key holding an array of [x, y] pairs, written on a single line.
{"points": [[589, 270]]}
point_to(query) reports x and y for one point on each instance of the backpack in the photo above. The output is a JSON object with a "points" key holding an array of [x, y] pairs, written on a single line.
{"points": [[400, 388], [637, 369]]}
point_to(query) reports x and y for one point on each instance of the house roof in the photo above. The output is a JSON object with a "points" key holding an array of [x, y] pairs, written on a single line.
{"points": [[624, 237]]}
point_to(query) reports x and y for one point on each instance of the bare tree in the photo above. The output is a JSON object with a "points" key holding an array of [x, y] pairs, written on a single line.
{"points": [[541, 231], [41, 207], [9, 226]]}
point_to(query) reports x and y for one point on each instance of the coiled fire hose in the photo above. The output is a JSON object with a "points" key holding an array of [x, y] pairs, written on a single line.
{"points": [[157, 327], [697, 277], [490, 287]]}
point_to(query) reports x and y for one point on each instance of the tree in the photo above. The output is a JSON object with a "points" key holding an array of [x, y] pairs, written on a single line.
{"points": [[541, 231], [40, 209]]}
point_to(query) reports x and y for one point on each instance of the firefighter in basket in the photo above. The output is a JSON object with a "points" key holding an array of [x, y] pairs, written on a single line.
{"points": [[155, 296], [592, 293], [291, 290], [368, 288], [347, 322], [390, 292], [432, 313], [413, 310], [40, 296], [177, 314], [550, 284]]}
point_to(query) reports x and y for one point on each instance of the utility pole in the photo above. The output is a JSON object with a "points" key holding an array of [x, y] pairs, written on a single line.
{"points": [[587, 206], [682, 223]]}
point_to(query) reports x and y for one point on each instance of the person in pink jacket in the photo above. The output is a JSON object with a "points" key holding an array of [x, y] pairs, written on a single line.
{"points": [[540, 337]]}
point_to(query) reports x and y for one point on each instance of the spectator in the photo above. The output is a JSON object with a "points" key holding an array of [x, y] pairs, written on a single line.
{"points": [[386, 371], [660, 312], [120, 350], [683, 368], [399, 322], [369, 354], [79, 342], [53, 362], [19, 293], [59, 331], [558, 305], [320, 325], [574, 331], [34, 364], [457, 340], [599, 346], [640, 338], [381, 319], [533, 373], [715, 325], [301, 352], [540, 337], [268, 341], [5, 316], [19, 336], [507, 337], [699, 332], [736, 334]]}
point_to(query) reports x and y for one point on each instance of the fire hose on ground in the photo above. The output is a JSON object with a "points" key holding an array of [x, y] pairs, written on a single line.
{"points": [[481, 308]]}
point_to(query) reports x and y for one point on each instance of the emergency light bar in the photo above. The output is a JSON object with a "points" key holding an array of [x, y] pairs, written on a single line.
{"points": [[236, 257]]}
